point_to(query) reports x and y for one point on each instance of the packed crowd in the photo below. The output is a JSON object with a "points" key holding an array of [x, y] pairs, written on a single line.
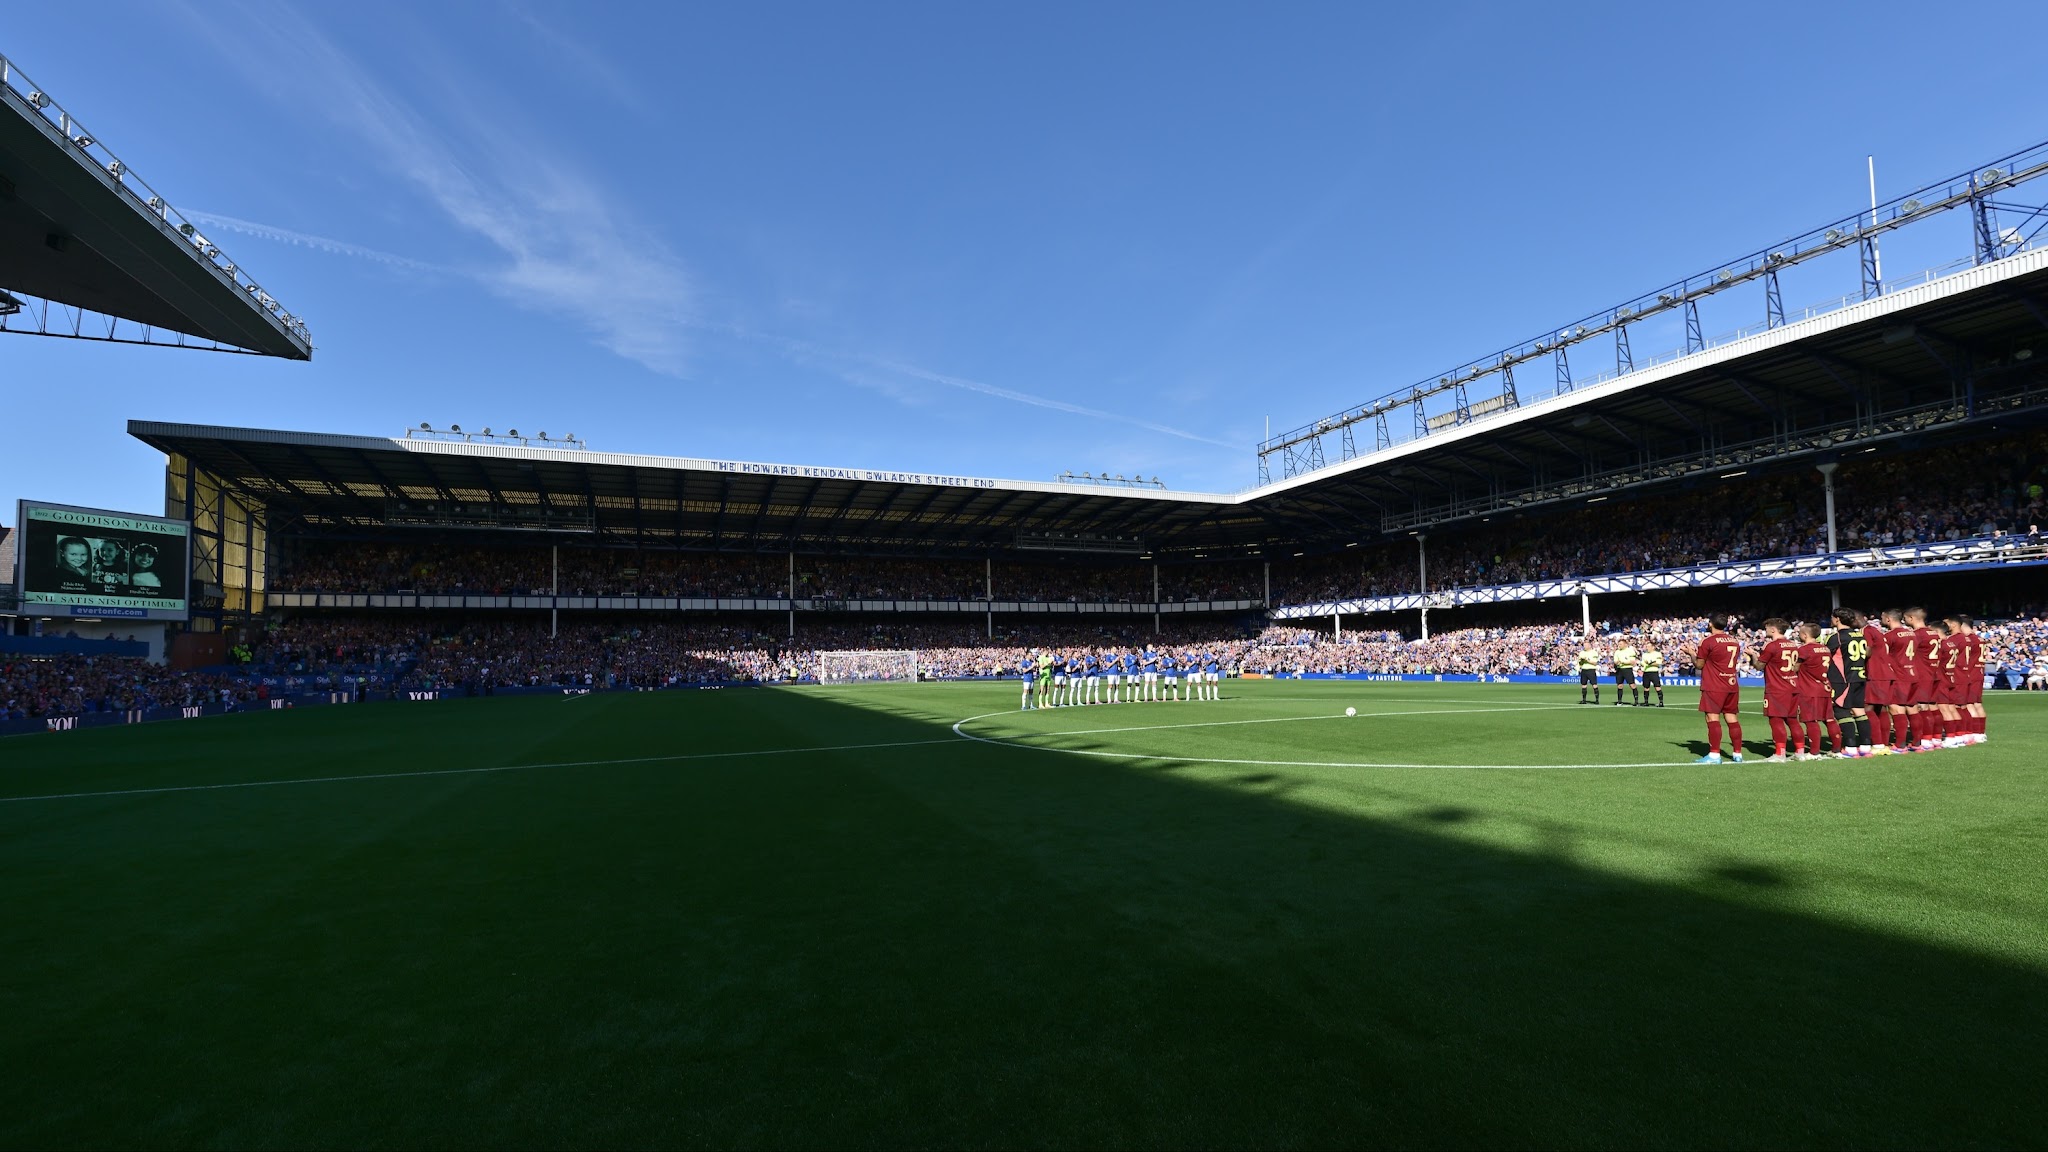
{"points": [[433, 569], [1946, 493], [485, 654], [1950, 493], [31, 688]]}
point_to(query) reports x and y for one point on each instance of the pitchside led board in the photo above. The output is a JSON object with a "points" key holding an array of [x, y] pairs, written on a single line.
{"points": [[91, 563]]}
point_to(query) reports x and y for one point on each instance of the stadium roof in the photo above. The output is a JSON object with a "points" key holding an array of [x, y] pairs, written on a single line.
{"points": [[331, 482], [79, 229], [1954, 357]]}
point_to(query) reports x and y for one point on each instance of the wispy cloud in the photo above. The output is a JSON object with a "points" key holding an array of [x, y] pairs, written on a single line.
{"points": [[582, 61], [218, 222], [1035, 401], [561, 245]]}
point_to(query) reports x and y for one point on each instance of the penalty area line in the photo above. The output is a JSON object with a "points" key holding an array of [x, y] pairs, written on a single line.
{"points": [[487, 770]]}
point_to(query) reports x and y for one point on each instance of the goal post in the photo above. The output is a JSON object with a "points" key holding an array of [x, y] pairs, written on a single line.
{"points": [[862, 667]]}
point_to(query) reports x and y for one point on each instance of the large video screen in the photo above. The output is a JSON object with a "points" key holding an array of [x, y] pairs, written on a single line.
{"points": [[88, 562]]}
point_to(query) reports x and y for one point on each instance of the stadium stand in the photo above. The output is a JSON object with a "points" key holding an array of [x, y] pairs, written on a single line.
{"points": [[479, 655]]}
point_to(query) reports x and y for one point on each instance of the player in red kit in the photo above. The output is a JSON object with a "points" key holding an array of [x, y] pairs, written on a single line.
{"points": [[1973, 686], [1929, 720], [1948, 704], [1816, 694], [1718, 658], [1779, 660], [1907, 655], [1878, 687]]}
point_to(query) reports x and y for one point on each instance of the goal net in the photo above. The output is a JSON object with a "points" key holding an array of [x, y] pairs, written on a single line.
{"points": [[861, 667]]}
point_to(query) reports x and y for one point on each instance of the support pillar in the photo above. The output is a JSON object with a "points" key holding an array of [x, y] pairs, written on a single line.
{"points": [[988, 588], [1422, 577], [1155, 599], [1585, 612], [554, 590], [792, 595], [1268, 601], [1827, 476]]}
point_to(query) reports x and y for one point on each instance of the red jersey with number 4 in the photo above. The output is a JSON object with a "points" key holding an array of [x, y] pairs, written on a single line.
{"points": [[1907, 653]]}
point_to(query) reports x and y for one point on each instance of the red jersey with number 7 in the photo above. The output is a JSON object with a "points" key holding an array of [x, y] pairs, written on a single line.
{"points": [[1718, 655]]}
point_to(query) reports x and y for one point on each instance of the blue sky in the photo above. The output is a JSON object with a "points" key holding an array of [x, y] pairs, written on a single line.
{"points": [[1000, 240]]}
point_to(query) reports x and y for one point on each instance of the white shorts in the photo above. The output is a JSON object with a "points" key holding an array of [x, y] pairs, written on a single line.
{"points": [[1059, 680], [1091, 677], [1170, 678], [1113, 678], [1151, 676], [1212, 677]]}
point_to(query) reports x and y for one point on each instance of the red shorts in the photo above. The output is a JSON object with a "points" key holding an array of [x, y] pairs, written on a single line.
{"points": [[1975, 695], [1877, 692], [1948, 692], [1715, 701], [1816, 709], [1923, 691], [1783, 704]]}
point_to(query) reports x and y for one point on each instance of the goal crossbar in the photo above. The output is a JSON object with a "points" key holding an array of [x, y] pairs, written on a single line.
{"points": [[861, 666]]}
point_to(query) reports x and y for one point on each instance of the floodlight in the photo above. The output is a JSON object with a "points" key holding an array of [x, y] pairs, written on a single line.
{"points": [[512, 432], [38, 100], [1833, 236], [1910, 207], [1666, 298], [1991, 175], [1775, 258], [543, 435], [2024, 354], [426, 427], [455, 427], [487, 430], [84, 141], [1726, 276]]}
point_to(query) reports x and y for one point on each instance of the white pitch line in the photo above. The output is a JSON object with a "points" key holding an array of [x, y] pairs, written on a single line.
{"points": [[466, 771], [959, 730], [1270, 720]]}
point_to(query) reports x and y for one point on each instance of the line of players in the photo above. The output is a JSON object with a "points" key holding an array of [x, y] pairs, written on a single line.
{"points": [[1052, 680], [1877, 687], [1627, 663]]}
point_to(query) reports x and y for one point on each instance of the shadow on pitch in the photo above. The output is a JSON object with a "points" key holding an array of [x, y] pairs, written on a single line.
{"points": [[960, 944]]}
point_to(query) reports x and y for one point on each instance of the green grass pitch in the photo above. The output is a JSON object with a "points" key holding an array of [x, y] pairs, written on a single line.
{"points": [[1473, 915]]}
